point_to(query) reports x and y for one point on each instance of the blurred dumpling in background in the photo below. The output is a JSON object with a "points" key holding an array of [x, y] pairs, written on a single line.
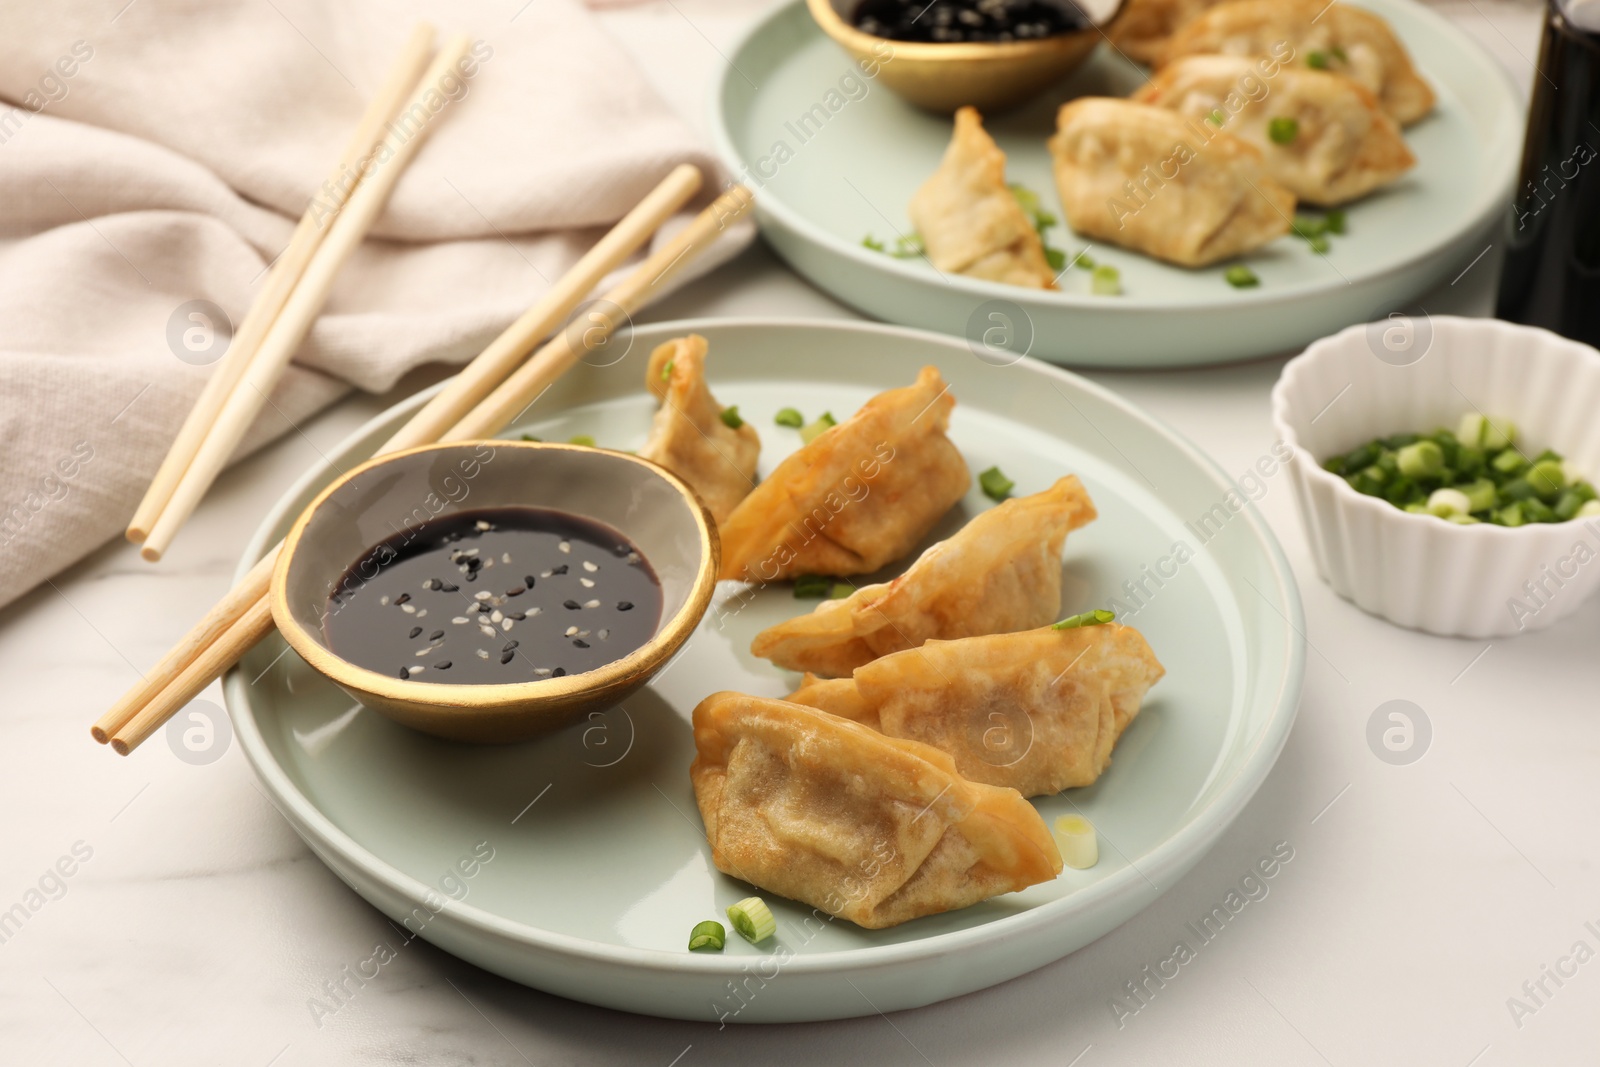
{"points": [[1338, 38], [1037, 711], [1147, 179], [1321, 136], [691, 435], [970, 220], [873, 829], [859, 496], [1141, 28], [1000, 573]]}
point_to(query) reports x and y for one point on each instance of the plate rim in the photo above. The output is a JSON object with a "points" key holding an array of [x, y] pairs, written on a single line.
{"points": [[1196, 837], [1490, 202]]}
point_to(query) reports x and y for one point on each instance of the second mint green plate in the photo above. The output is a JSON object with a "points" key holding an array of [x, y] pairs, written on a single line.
{"points": [[834, 157]]}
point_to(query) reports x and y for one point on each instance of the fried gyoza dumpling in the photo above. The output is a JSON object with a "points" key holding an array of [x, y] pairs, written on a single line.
{"points": [[969, 220], [1148, 179], [860, 495], [864, 826], [1000, 573], [1141, 28], [1036, 711], [1321, 136], [689, 436], [1338, 38]]}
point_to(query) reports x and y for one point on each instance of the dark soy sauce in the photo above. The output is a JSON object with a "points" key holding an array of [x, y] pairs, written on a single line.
{"points": [[952, 21], [1552, 268], [495, 596]]}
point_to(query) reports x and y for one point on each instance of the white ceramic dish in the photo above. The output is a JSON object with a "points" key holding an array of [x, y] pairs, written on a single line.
{"points": [[833, 157], [599, 863], [1403, 375]]}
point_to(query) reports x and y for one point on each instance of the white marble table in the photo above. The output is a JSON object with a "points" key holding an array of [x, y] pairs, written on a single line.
{"points": [[194, 926]]}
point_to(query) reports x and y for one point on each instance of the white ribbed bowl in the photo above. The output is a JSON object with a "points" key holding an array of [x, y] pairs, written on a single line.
{"points": [[1417, 570]]}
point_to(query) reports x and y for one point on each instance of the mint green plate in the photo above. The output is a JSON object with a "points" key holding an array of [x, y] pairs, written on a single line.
{"points": [[599, 866], [824, 182]]}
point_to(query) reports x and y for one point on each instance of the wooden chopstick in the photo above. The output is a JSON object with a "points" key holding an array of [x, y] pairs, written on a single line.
{"points": [[267, 363], [167, 686], [281, 280]]}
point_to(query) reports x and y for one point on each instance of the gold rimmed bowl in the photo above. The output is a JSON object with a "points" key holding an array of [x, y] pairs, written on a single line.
{"points": [[369, 505], [941, 77]]}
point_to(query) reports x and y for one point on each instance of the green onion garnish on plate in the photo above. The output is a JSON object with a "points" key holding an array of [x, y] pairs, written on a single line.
{"points": [[1283, 130], [709, 934], [789, 417], [1105, 281], [581, 439], [995, 485], [1097, 617], [812, 586], [1317, 60], [752, 919], [811, 431], [730, 417], [840, 590], [1241, 277]]}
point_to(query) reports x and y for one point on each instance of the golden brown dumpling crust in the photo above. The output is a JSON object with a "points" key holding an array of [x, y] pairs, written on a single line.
{"points": [[1141, 28], [1344, 145], [1347, 40], [876, 830], [1149, 179], [688, 436], [1037, 711], [970, 222], [859, 496], [1000, 573]]}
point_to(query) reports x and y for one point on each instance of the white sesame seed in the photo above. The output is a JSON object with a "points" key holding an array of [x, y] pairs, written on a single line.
{"points": [[531, 612], [572, 631], [418, 669], [591, 603], [505, 557], [541, 671], [483, 653], [409, 609], [565, 546], [384, 601], [583, 633], [488, 631], [632, 557], [469, 552], [482, 594], [460, 620], [480, 524], [590, 567], [419, 653], [604, 634], [488, 563], [546, 574], [421, 612], [587, 583], [506, 624], [496, 616], [428, 584]]}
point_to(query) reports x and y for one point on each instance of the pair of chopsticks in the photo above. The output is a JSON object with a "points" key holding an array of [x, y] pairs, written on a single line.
{"points": [[297, 287], [482, 400]]}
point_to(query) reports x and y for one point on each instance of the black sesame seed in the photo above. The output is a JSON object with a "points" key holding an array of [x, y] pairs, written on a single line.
{"points": [[517, 616], [528, 579], [580, 644], [516, 590], [446, 587], [624, 605], [435, 635], [405, 674], [513, 643], [573, 605], [402, 598], [558, 672], [415, 630], [507, 657], [559, 570], [442, 665]]}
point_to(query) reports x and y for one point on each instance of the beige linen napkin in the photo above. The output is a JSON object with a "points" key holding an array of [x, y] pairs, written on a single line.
{"points": [[156, 153]]}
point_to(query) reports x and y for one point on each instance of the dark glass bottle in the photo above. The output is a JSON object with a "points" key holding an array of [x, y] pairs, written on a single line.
{"points": [[1552, 266]]}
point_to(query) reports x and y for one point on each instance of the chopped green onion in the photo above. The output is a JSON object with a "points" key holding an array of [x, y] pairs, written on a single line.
{"points": [[1480, 495], [812, 431], [1217, 117], [1447, 502], [872, 243], [1338, 53], [753, 919], [530, 437], [581, 439], [1511, 515], [1547, 477], [1317, 60], [1424, 459], [1083, 261], [840, 590], [995, 485], [1106, 281], [906, 246], [1309, 226], [1080, 849], [1537, 510], [1283, 130], [730, 417], [1097, 617], [789, 417], [1319, 244], [812, 587], [1241, 277], [1509, 461], [1056, 258], [1590, 509], [1461, 520], [709, 934], [666, 372], [1335, 221], [1498, 434]]}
